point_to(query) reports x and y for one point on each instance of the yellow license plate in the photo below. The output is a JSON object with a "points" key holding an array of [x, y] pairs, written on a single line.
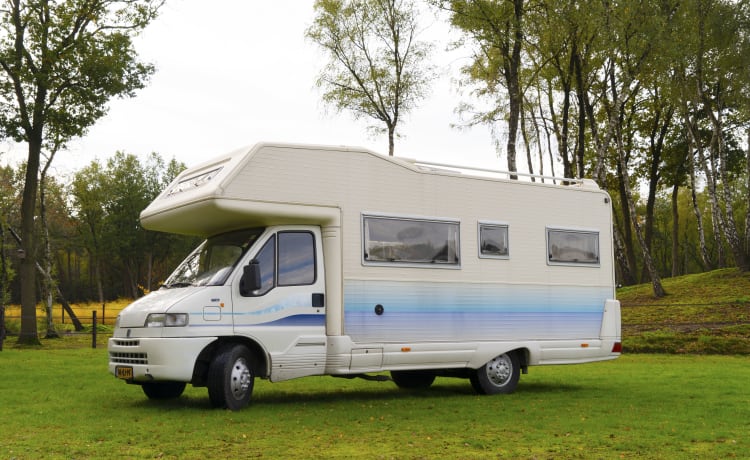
{"points": [[123, 372]]}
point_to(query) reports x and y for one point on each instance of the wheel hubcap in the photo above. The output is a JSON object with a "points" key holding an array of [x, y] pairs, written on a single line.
{"points": [[499, 370], [240, 378]]}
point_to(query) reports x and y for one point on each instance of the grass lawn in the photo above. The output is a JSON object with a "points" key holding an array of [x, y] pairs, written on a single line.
{"points": [[705, 313], [62, 403], [59, 401]]}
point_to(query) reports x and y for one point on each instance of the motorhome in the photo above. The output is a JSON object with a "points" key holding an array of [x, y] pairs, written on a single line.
{"points": [[323, 260]]}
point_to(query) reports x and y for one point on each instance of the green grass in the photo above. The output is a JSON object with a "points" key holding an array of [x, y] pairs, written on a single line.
{"points": [[719, 286], [58, 401], [62, 403], [702, 313]]}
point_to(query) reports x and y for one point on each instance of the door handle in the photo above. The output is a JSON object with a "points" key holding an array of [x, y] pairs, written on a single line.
{"points": [[318, 300]]}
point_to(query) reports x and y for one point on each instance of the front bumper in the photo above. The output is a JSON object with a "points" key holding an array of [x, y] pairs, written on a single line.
{"points": [[156, 359]]}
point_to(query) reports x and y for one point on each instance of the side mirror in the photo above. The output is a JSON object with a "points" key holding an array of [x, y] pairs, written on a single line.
{"points": [[250, 281]]}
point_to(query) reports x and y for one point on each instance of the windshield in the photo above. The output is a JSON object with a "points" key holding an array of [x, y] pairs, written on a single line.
{"points": [[212, 262]]}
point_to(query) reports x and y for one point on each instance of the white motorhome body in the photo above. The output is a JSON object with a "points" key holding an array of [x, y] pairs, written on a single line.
{"points": [[340, 261]]}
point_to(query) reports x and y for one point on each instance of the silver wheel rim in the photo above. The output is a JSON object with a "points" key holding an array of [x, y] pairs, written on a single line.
{"points": [[240, 378], [499, 370]]}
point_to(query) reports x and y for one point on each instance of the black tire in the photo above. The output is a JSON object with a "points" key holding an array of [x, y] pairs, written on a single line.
{"points": [[231, 377], [412, 380], [499, 376], [163, 390]]}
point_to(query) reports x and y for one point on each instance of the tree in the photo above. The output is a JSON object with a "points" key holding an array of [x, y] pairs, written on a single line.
{"points": [[128, 192], [163, 250], [377, 67], [496, 30], [747, 195], [721, 82], [636, 32], [60, 62], [7, 201], [107, 200], [89, 198]]}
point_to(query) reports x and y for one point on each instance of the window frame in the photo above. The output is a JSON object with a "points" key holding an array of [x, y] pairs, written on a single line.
{"points": [[410, 264], [276, 282], [572, 263], [263, 290], [278, 258], [484, 224]]}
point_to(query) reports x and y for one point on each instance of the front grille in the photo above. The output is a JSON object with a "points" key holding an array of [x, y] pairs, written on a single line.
{"points": [[127, 342], [128, 358]]}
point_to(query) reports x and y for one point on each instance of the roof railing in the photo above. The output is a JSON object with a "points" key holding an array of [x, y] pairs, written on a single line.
{"points": [[500, 172]]}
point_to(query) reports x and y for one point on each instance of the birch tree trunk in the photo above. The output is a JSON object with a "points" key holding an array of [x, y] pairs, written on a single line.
{"points": [[729, 226], [747, 197], [705, 257], [708, 76], [675, 231], [98, 275], [527, 145], [49, 283], [693, 146], [708, 165], [625, 271], [647, 260], [618, 102]]}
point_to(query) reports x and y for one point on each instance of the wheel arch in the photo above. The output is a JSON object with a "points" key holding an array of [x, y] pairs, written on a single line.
{"points": [[261, 363], [489, 351]]}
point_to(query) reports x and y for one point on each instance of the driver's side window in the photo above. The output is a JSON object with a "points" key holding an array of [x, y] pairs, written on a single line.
{"points": [[267, 260], [287, 259]]}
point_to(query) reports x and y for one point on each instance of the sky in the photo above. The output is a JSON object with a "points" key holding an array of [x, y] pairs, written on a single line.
{"points": [[240, 72]]}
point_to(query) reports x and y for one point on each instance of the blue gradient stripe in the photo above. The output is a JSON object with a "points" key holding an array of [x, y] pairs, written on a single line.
{"points": [[451, 311]]}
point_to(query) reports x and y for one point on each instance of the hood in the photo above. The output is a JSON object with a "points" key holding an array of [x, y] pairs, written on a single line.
{"points": [[134, 315]]}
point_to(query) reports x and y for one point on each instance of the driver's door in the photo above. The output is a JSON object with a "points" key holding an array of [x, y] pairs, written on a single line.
{"points": [[286, 316]]}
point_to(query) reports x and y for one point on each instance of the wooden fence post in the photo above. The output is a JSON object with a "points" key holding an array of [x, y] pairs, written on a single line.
{"points": [[93, 329]]}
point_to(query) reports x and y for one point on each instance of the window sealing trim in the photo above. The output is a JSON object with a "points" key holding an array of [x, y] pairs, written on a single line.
{"points": [[582, 231], [490, 224], [414, 218]]}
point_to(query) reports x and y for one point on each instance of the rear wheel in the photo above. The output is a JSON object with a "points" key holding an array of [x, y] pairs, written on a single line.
{"points": [[499, 376], [163, 390], [231, 378], [412, 379]]}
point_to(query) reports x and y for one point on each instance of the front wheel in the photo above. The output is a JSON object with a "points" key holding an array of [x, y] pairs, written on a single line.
{"points": [[499, 376], [231, 378]]}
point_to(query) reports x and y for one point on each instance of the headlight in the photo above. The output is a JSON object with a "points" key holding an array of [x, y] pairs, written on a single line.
{"points": [[167, 320]]}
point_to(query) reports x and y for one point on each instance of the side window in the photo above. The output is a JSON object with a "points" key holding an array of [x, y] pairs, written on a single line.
{"points": [[267, 260], [411, 241], [295, 264], [572, 247], [493, 241], [296, 258]]}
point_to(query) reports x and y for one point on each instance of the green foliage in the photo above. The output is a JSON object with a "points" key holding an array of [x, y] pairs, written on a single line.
{"points": [[63, 61], [107, 201], [639, 406], [60, 63], [8, 196], [634, 94], [377, 67]]}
